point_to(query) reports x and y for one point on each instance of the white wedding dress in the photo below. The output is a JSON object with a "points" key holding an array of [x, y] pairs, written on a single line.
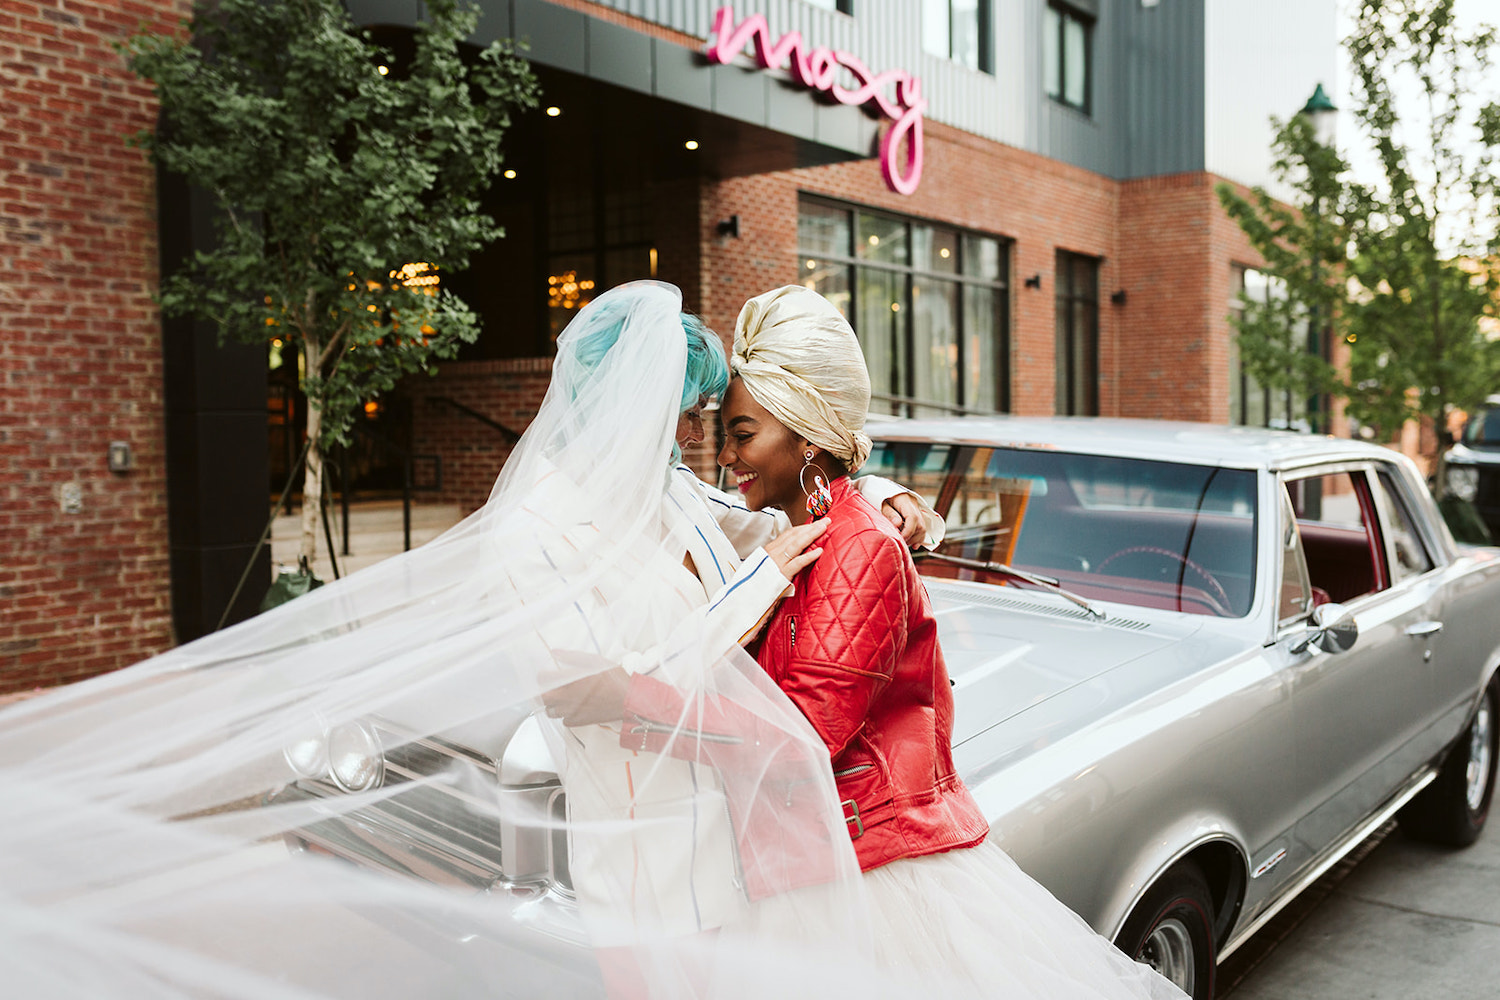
{"points": [[139, 857]]}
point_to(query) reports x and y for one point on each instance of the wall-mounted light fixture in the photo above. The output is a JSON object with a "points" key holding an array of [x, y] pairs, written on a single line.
{"points": [[120, 457], [1118, 297], [730, 226], [1035, 281]]}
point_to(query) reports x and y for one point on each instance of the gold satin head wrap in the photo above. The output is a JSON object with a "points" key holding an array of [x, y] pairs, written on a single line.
{"points": [[799, 358]]}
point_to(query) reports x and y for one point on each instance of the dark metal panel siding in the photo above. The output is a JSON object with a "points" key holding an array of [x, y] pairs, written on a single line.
{"points": [[885, 35], [1147, 100], [1162, 79]]}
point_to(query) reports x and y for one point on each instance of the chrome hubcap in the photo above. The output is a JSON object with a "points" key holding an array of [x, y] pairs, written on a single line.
{"points": [[1169, 950], [1478, 771]]}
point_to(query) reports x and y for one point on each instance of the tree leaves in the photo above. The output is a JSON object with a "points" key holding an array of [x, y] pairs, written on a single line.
{"points": [[329, 176], [1397, 271]]}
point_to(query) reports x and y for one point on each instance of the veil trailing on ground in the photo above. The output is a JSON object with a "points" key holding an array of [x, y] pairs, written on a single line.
{"points": [[148, 812]]}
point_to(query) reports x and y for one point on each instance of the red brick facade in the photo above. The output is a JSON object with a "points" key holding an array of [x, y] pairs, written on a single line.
{"points": [[446, 421], [83, 551]]}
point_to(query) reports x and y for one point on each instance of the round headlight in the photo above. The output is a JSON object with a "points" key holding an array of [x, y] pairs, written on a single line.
{"points": [[354, 757], [1463, 481], [308, 757]]}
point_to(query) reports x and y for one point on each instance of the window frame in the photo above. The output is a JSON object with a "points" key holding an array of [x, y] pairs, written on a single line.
{"points": [[1064, 316], [985, 27], [907, 273], [1387, 485], [1056, 88], [1302, 415]]}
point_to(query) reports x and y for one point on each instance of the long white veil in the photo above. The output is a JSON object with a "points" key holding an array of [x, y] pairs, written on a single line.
{"points": [[145, 815]]}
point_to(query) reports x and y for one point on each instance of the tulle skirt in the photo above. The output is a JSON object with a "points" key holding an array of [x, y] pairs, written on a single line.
{"points": [[971, 923]]}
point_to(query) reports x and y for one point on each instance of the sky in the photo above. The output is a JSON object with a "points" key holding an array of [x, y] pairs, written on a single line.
{"points": [[1409, 105]]}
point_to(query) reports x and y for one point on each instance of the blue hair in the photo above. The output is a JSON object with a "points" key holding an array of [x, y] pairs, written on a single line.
{"points": [[707, 371]]}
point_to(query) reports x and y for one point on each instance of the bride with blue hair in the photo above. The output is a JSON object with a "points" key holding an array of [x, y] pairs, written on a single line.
{"points": [[142, 854]]}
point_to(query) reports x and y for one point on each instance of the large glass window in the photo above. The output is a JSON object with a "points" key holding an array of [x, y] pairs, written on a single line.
{"points": [[928, 303], [1251, 403], [958, 30], [1077, 334], [1067, 56]]}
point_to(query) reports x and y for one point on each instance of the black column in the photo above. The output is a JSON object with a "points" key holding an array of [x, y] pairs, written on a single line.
{"points": [[216, 447]]}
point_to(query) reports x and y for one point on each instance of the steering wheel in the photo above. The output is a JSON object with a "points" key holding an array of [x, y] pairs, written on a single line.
{"points": [[1215, 592]]}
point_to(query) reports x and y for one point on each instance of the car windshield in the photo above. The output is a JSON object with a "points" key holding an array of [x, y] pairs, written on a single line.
{"points": [[1154, 534], [1483, 430]]}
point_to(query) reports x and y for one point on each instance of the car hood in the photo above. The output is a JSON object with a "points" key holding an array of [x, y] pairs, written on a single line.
{"points": [[1009, 650]]}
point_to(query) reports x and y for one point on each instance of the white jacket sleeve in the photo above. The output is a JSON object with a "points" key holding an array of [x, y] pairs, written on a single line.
{"points": [[732, 617], [877, 491], [746, 529]]}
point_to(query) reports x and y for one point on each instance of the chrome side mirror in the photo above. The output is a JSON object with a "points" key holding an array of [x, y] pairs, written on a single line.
{"points": [[1332, 630]]}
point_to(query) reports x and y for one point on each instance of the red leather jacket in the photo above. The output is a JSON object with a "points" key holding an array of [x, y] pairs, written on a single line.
{"points": [[856, 650]]}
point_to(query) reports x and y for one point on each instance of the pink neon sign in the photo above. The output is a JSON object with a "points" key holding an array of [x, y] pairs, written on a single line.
{"points": [[818, 69]]}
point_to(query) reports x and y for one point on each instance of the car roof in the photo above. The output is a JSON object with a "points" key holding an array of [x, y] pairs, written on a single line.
{"points": [[1162, 440]]}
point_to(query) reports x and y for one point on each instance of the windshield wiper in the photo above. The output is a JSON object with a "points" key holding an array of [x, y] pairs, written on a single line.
{"points": [[1046, 583]]}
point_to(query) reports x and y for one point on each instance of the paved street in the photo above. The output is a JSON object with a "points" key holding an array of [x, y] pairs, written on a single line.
{"points": [[1406, 921]]}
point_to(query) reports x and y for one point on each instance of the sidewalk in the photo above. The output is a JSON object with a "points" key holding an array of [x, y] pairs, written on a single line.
{"points": [[1407, 920], [374, 534]]}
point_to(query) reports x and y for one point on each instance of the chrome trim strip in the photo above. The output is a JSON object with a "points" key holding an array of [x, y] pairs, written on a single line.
{"points": [[1333, 857], [1269, 863]]}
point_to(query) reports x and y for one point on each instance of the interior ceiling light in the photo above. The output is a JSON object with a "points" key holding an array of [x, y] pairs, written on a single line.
{"points": [[691, 144]]}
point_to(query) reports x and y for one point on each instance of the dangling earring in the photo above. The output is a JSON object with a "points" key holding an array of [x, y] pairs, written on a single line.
{"points": [[819, 499]]}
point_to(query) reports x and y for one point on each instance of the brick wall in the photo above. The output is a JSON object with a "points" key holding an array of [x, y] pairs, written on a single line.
{"points": [[508, 392], [84, 589]]}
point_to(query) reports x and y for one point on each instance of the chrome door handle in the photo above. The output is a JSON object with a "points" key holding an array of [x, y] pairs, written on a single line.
{"points": [[1422, 630]]}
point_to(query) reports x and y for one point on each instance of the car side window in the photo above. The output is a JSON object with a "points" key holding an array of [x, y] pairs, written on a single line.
{"points": [[1409, 556], [1296, 589], [1335, 517]]}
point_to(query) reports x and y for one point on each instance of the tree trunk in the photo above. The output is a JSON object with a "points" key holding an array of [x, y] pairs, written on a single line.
{"points": [[312, 479]]}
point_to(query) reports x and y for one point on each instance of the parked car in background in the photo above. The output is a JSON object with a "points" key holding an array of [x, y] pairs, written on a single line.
{"points": [[1193, 666], [1473, 465]]}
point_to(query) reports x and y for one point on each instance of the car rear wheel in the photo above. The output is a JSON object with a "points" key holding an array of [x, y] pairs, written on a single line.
{"points": [[1453, 809], [1171, 930]]}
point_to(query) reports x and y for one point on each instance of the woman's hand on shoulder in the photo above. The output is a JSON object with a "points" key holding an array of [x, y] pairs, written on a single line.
{"points": [[790, 550], [904, 512]]}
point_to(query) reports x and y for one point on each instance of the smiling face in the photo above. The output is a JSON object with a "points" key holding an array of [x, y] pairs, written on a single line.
{"points": [[764, 456]]}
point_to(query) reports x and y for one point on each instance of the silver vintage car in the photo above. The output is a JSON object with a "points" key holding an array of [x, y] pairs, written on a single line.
{"points": [[1194, 666]]}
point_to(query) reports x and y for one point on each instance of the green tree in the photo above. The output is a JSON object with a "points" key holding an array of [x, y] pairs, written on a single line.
{"points": [[1388, 268], [345, 186]]}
